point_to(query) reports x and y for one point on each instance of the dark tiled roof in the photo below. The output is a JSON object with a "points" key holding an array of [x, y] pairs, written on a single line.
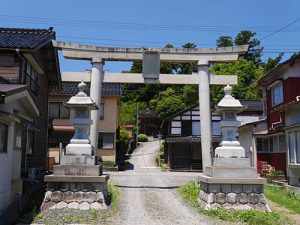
{"points": [[252, 105], [70, 88], [25, 38]]}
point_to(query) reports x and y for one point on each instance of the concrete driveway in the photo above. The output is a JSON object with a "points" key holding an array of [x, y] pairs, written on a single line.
{"points": [[149, 195]]}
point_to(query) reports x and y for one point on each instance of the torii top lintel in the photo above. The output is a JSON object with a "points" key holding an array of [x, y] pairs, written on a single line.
{"points": [[87, 52]]}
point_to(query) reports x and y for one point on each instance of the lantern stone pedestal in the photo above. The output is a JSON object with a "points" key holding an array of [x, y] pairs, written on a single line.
{"points": [[78, 182], [231, 182]]}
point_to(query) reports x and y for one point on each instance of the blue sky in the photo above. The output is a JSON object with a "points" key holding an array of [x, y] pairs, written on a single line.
{"points": [[136, 23]]}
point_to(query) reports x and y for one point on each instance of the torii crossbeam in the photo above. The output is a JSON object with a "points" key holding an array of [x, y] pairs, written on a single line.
{"points": [[151, 58]]}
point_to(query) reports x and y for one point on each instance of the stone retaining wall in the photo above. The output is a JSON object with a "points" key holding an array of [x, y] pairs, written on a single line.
{"points": [[78, 186], [233, 196], [74, 200]]}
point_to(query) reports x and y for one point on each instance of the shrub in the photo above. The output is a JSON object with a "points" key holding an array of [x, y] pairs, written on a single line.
{"points": [[142, 138], [122, 145], [276, 172]]}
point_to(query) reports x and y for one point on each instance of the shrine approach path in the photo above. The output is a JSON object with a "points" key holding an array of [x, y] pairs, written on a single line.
{"points": [[149, 195]]}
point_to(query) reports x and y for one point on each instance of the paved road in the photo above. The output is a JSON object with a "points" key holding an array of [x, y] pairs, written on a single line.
{"points": [[149, 195]]}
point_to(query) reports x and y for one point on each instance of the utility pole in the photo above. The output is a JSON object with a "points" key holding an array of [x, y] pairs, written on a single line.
{"points": [[137, 124]]}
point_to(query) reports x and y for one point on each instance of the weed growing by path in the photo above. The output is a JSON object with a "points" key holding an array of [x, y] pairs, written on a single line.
{"points": [[283, 198], [190, 193]]}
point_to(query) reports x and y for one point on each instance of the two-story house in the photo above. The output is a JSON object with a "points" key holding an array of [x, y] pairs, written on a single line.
{"points": [[282, 88], [61, 128], [28, 67], [276, 138]]}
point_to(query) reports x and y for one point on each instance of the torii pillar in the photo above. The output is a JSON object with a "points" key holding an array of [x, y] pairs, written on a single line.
{"points": [[205, 112], [95, 94]]}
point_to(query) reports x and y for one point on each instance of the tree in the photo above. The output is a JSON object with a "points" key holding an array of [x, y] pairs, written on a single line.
{"points": [[247, 74], [167, 103], [224, 41], [272, 63], [246, 37], [186, 68], [128, 112], [190, 94]]}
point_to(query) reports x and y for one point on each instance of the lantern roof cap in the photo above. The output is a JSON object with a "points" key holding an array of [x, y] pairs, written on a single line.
{"points": [[228, 102], [81, 100]]}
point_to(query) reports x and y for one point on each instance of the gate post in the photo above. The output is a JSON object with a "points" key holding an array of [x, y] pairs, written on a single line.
{"points": [[95, 94], [205, 112]]}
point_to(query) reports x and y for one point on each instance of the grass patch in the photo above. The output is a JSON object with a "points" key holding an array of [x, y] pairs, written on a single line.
{"points": [[283, 197], [191, 191], [114, 196], [108, 163]]}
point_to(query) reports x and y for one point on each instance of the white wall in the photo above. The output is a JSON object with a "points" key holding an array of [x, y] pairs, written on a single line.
{"points": [[5, 170], [292, 116]]}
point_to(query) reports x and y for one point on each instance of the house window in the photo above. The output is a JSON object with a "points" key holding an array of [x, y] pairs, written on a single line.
{"points": [[272, 144], [7, 60], [176, 127], [106, 140], [31, 78], [30, 141], [294, 147], [58, 110], [3, 137], [196, 128], [277, 94], [101, 111], [18, 136]]}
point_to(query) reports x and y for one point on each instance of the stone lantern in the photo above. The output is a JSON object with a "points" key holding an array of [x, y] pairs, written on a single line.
{"points": [[77, 182], [231, 182], [81, 104], [228, 107]]}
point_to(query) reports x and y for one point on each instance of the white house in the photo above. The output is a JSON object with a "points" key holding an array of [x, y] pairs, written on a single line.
{"points": [[16, 107]]}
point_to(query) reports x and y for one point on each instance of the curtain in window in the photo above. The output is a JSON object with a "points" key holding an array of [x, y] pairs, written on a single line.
{"points": [[106, 140], [3, 137], [298, 147], [292, 145], [54, 110], [101, 111], [277, 94]]}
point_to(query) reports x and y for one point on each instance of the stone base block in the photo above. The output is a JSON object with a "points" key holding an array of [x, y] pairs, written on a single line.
{"points": [[230, 151], [78, 160], [229, 195], [79, 149], [232, 162], [230, 172], [77, 170]]}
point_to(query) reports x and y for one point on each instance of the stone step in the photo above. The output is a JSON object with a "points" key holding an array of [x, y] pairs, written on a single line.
{"points": [[230, 172]]}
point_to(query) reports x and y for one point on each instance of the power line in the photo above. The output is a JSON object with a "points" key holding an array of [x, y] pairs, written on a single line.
{"points": [[136, 26], [281, 29]]}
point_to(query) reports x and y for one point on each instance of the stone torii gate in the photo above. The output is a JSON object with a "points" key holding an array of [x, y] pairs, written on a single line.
{"points": [[151, 58]]}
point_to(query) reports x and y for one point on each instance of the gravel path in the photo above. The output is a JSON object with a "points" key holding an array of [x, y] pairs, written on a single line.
{"points": [[149, 195]]}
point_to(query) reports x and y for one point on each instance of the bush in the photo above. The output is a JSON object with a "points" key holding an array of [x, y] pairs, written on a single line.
{"points": [[142, 138], [276, 172], [122, 145]]}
